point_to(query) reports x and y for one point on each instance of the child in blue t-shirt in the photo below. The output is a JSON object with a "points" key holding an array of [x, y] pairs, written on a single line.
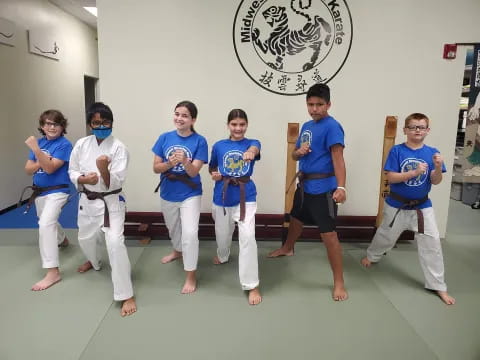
{"points": [[48, 163], [319, 151], [179, 156], [412, 168], [234, 200]]}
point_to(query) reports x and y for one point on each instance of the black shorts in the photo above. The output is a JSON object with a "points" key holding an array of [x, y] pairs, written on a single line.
{"points": [[317, 209]]}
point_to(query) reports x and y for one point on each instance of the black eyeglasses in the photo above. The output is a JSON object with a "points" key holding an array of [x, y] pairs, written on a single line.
{"points": [[49, 124], [417, 127], [104, 122]]}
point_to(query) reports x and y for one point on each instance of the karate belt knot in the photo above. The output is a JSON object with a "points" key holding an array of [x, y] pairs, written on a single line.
{"points": [[410, 204], [184, 178], [94, 195], [235, 181], [36, 192], [302, 177]]}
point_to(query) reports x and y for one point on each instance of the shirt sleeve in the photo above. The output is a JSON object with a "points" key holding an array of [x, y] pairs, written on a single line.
{"points": [[202, 150], [335, 135], [31, 156], [392, 163], [213, 158], [158, 147], [63, 151], [74, 165], [118, 168]]}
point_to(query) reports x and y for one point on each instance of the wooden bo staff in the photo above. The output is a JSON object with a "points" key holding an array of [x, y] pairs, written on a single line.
{"points": [[388, 142], [292, 135]]}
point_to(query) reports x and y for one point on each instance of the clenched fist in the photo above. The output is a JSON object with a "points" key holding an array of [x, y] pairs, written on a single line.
{"points": [[102, 162], [32, 143]]}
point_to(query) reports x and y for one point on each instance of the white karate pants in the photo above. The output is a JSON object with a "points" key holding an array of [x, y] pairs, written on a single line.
{"points": [[181, 219], [247, 256], [429, 247], [50, 232], [90, 234]]}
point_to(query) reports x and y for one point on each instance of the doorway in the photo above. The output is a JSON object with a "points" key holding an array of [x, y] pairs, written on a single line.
{"points": [[465, 187], [90, 89]]}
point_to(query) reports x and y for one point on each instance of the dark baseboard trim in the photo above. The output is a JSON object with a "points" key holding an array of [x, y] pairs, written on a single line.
{"points": [[268, 227], [12, 207]]}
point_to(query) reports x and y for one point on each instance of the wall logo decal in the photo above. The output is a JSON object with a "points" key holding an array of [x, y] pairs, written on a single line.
{"points": [[285, 46]]}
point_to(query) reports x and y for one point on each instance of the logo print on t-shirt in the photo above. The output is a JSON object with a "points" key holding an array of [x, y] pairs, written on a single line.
{"points": [[179, 168], [306, 138], [46, 152], [411, 164], [234, 164]]}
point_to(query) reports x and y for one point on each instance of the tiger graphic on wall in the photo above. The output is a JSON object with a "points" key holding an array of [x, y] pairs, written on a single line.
{"points": [[284, 41]]}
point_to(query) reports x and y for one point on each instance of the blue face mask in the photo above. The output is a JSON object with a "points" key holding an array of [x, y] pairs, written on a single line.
{"points": [[102, 132]]}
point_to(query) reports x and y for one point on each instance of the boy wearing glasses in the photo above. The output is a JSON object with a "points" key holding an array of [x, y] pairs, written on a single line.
{"points": [[98, 167], [48, 163], [412, 168]]}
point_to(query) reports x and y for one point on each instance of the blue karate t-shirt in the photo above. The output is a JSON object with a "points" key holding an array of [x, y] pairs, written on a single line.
{"points": [[402, 159], [321, 136], [227, 156], [195, 148], [59, 148]]}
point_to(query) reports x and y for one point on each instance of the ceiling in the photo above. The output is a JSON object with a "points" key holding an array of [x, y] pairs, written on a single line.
{"points": [[75, 8]]}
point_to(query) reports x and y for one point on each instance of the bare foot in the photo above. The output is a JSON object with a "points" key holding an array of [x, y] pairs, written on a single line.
{"points": [[64, 243], [129, 307], [339, 293], [216, 261], [365, 262], [280, 252], [254, 297], [51, 278], [174, 255], [190, 283], [85, 267], [447, 299]]}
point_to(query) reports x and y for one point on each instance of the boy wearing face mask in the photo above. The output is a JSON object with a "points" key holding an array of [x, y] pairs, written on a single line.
{"points": [[98, 168]]}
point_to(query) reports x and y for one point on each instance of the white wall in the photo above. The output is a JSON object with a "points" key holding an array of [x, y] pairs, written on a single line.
{"points": [[154, 55], [30, 84]]}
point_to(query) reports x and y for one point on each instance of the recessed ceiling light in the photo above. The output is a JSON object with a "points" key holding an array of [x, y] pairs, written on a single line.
{"points": [[91, 10]]}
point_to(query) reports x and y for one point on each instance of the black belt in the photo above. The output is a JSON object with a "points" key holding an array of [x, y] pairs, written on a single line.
{"points": [[93, 195], [413, 204], [235, 181], [36, 192], [184, 178]]}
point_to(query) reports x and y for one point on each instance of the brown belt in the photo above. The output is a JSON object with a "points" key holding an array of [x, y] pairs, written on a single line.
{"points": [[235, 181], [302, 177], [410, 203], [93, 195], [184, 178], [37, 191]]}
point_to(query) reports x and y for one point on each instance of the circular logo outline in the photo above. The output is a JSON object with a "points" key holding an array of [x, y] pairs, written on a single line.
{"points": [[347, 53], [179, 167], [421, 178], [230, 155]]}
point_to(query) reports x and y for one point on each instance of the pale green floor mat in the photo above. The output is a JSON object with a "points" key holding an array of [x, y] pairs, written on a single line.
{"points": [[53, 324], [450, 331], [297, 319], [388, 316]]}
